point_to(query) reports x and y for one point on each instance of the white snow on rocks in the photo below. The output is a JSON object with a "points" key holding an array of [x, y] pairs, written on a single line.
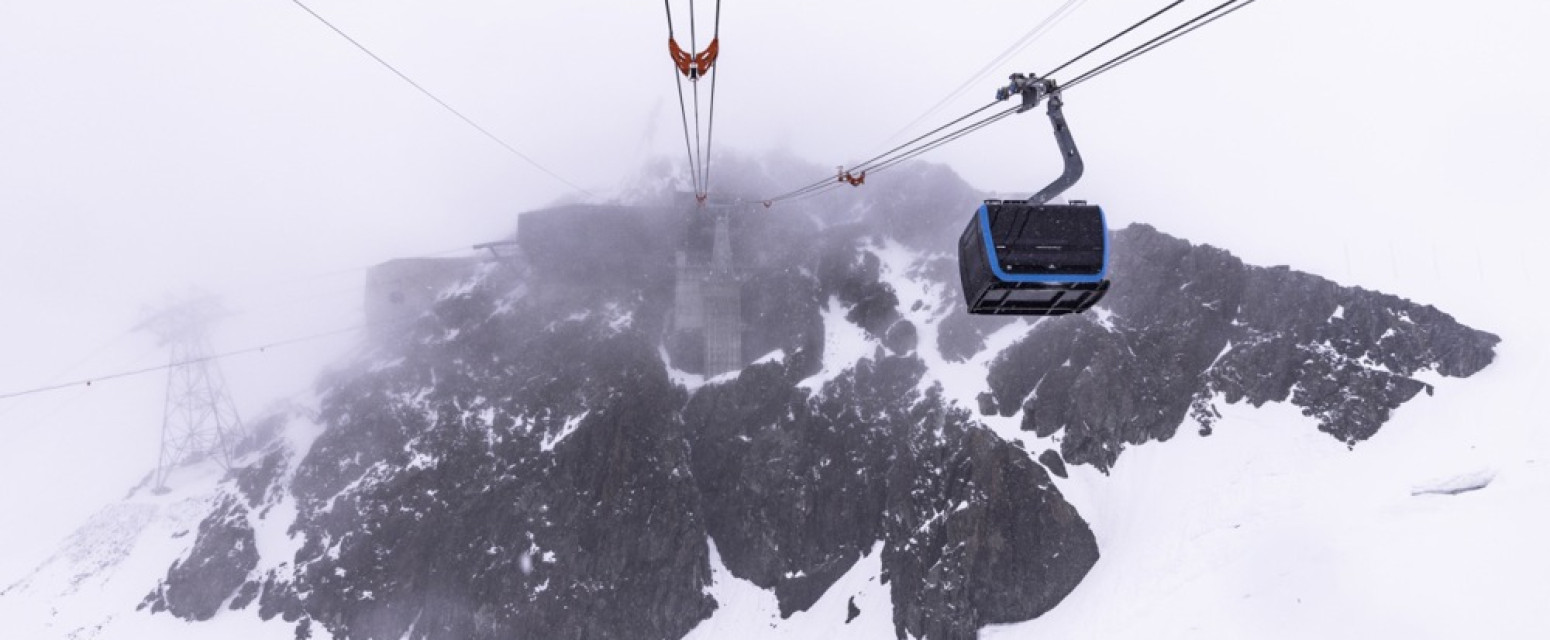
{"points": [[746, 612], [844, 344], [550, 442], [926, 304]]}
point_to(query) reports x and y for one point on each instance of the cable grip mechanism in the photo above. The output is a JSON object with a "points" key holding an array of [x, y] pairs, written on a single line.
{"points": [[1033, 89]]}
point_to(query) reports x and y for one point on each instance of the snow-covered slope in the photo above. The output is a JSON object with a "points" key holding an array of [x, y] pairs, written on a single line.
{"points": [[1267, 529], [95, 585]]}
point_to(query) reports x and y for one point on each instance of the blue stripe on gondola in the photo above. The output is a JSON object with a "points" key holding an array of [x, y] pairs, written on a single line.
{"points": [[995, 262]]}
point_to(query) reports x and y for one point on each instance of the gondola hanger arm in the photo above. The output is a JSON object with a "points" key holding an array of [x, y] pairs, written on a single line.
{"points": [[1034, 90]]}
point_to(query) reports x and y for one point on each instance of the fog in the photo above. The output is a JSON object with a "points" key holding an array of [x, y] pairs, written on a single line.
{"points": [[245, 149]]}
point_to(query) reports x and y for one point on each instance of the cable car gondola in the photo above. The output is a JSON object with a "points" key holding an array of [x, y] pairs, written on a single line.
{"points": [[1029, 257]]}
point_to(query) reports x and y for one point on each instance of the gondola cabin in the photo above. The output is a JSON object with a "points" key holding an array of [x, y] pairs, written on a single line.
{"points": [[1020, 258]]}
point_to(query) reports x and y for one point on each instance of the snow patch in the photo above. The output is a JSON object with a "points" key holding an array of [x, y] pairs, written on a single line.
{"points": [[926, 303], [383, 365], [844, 345], [746, 612], [776, 356], [550, 442], [689, 381], [111, 562], [1454, 485], [1103, 317], [1226, 349]]}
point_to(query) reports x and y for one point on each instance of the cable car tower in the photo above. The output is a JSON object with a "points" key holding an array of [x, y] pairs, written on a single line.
{"points": [[199, 419]]}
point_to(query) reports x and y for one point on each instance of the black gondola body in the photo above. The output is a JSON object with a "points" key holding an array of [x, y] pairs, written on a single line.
{"points": [[1020, 258], [1028, 257]]}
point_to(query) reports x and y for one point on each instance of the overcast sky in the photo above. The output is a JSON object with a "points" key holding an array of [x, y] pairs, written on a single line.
{"points": [[146, 147]]}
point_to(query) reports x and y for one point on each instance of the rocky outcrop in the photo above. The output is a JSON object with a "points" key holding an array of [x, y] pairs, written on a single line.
{"points": [[980, 537], [1052, 461], [223, 555], [1186, 324], [517, 474]]}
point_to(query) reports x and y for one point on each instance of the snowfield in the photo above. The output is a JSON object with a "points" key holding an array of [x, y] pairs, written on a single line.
{"points": [[1270, 529]]}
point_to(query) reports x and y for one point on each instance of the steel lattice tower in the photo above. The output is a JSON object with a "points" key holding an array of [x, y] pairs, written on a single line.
{"points": [[199, 419]]}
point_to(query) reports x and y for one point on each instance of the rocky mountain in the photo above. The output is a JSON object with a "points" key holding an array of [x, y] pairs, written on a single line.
{"points": [[539, 449]]}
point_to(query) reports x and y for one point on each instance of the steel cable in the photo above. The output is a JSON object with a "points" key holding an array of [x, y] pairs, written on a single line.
{"points": [[911, 149], [439, 101], [1033, 35], [1220, 11], [1111, 39], [683, 109], [710, 128], [945, 139]]}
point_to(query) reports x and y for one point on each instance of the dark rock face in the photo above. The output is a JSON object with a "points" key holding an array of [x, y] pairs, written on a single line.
{"points": [[780, 312], [259, 483], [517, 475], [902, 337], [223, 554], [980, 538], [765, 457], [519, 463], [1185, 323], [856, 462], [224, 551], [1051, 460]]}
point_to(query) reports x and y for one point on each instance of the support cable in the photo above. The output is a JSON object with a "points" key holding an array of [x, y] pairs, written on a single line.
{"points": [[883, 157], [710, 129], [178, 363], [1033, 35], [1211, 15], [683, 109], [945, 139], [699, 157], [450, 109], [1111, 39], [868, 163], [911, 149], [699, 153], [683, 114]]}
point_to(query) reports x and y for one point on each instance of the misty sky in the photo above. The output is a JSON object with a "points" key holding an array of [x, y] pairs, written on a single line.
{"points": [[146, 147]]}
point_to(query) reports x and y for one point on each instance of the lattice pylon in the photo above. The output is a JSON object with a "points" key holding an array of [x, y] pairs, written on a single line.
{"points": [[199, 419]]}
